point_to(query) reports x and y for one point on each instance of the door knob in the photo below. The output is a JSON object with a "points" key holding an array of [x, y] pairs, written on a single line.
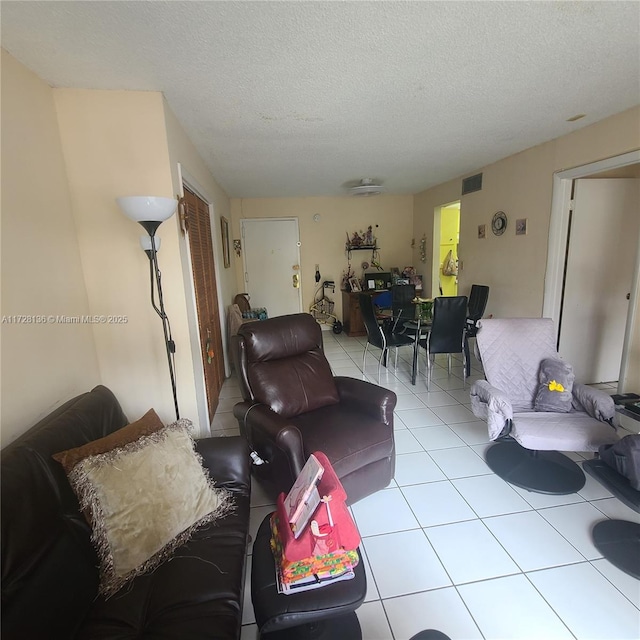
{"points": [[296, 281]]}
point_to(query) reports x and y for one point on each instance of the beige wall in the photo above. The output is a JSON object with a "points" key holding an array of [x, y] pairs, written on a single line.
{"points": [[186, 163], [43, 364], [323, 242], [115, 144], [521, 186]]}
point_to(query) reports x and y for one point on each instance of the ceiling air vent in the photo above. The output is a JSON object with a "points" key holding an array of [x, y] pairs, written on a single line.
{"points": [[471, 184]]}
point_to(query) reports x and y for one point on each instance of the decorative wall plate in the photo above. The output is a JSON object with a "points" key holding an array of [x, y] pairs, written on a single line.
{"points": [[499, 223]]}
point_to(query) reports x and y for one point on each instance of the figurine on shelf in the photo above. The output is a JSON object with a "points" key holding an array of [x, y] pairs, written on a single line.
{"points": [[368, 237], [363, 239], [355, 241], [346, 278]]}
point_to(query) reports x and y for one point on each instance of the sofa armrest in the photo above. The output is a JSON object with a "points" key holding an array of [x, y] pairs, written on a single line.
{"points": [[598, 404], [369, 398], [494, 405], [227, 460]]}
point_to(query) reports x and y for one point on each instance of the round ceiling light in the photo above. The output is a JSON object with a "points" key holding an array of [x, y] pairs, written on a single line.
{"points": [[366, 187]]}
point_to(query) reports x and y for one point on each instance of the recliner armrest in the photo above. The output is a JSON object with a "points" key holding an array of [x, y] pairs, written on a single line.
{"points": [[598, 404], [493, 404], [259, 418], [369, 398]]}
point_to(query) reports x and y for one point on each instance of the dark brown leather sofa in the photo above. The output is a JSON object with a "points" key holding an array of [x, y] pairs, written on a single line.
{"points": [[293, 406], [49, 568]]}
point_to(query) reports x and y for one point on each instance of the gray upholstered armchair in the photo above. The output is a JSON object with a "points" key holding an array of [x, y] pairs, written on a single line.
{"points": [[293, 406], [514, 353]]}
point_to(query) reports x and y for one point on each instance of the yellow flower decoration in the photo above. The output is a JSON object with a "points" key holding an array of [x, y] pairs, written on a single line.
{"points": [[555, 386]]}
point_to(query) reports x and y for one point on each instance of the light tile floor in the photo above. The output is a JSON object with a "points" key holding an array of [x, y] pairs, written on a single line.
{"points": [[449, 545]]}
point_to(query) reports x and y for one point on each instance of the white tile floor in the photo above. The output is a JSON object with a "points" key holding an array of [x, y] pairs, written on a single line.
{"points": [[450, 546]]}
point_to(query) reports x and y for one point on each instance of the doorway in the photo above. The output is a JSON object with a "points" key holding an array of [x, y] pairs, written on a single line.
{"points": [[624, 165], [601, 252], [271, 258], [200, 242], [446, 237]]}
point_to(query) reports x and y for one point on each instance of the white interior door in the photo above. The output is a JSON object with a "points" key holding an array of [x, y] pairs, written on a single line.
{"points": [[599, 271], [271, 250]]}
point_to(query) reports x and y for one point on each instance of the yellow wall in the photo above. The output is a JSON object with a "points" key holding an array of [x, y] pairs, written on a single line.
{"points": [[115, 144], [449, 230], [521, 186], [43, 365], [323, 242]]}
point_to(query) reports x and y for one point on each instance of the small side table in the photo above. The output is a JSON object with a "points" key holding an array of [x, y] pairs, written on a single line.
{"points": [[327, 613]]}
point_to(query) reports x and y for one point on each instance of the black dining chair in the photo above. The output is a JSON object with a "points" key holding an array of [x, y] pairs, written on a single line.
{"points": [[447, 334], [402, 305], [379, 335], [477, 304]]}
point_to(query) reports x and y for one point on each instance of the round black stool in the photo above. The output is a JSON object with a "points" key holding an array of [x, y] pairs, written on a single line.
{"points": [[619, 542], [430, 634], [327, 613]]}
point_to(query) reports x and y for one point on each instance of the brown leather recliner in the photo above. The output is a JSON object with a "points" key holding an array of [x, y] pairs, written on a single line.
{"points": [[293, 405]]}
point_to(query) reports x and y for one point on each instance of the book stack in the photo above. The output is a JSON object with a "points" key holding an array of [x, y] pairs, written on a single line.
{"points": [[313, 537]]}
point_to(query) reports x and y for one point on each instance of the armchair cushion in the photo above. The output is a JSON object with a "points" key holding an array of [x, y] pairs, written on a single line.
{"points": [[555, 386], [291, 386], [548, 431]]}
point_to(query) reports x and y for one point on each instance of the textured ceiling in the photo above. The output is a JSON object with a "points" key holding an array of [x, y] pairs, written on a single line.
{"points": [[300, 98]]}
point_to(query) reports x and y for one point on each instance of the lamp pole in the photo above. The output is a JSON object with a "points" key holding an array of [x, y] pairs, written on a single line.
{"points": [[154, 273], [151, 212]]}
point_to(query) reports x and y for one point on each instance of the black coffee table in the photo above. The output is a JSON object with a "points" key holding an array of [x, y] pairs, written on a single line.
{"points": [[327, 613]]}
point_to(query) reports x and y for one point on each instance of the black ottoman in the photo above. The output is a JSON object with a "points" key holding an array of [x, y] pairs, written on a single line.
{"points": [[327, 613]]}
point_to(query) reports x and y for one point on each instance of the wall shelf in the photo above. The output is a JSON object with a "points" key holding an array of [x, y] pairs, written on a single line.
{"points": [[359, 247]]}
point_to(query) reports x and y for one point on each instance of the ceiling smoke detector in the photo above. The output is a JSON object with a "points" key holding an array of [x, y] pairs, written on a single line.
{"points": [[366, 187]]}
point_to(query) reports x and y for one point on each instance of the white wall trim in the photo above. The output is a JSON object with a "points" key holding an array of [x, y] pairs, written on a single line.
{"points": [[632, 319], [184, 177], [558, 230], [559, 223]]}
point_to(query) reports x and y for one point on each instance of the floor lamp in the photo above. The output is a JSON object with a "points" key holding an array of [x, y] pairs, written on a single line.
{"points": [[151, 212]]}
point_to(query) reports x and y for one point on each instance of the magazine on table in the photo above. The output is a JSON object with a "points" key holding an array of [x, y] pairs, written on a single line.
{"points": [[323, 579], [303, 498]]}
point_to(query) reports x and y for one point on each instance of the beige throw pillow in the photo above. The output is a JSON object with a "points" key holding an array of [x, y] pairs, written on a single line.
{"points": [[145, 499]]}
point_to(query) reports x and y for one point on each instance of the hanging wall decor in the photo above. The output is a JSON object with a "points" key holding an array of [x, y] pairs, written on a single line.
{"points": [[224, 225], [237, 247]]}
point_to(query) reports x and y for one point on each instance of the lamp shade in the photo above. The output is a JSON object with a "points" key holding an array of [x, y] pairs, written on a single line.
{"points": [[145, 243], [147, 208]]}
